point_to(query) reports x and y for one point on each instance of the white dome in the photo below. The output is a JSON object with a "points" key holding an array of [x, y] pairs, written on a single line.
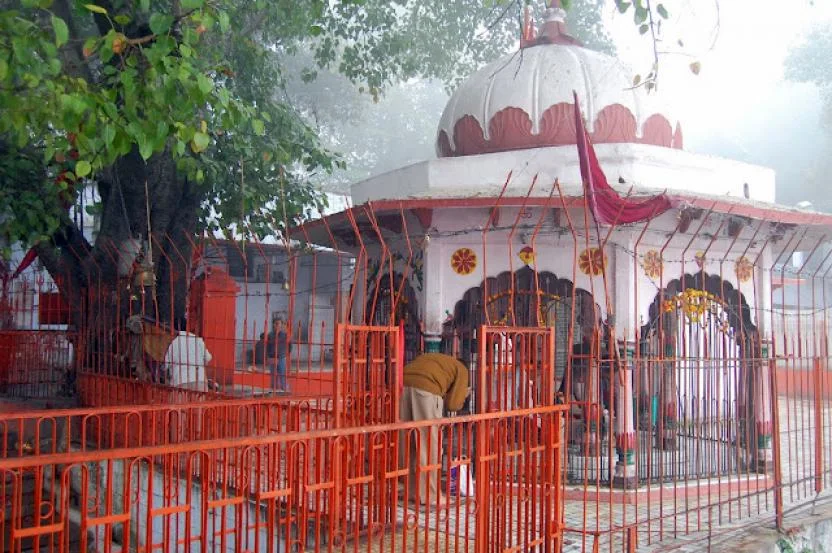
{"points": [[525, 100]]}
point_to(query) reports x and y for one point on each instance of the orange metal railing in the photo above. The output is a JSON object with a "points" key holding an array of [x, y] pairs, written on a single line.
{"points": [[691, 352], [329, 490]]}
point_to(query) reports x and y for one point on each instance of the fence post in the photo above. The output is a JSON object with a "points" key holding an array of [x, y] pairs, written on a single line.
{"points": [[776, 446], [481, 483], [337, 362]]}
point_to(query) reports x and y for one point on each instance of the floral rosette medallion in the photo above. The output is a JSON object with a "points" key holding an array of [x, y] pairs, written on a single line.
{"points": [[652, 264], [464, 261], [592, 261], [744, 268]]}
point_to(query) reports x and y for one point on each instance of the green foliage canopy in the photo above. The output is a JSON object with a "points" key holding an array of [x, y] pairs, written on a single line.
{"points": [[86, 85]]}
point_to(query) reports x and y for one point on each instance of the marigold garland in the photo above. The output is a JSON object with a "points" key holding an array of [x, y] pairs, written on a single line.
{"points": [[696, 304]]}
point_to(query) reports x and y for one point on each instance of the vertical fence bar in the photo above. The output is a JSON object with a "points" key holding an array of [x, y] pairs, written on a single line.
{"points": [[817, 378], [776, 444]]}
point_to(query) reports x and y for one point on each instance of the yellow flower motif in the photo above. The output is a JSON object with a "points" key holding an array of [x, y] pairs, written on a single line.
{"points": [[652, 264], [744, 269], [592, 261]]}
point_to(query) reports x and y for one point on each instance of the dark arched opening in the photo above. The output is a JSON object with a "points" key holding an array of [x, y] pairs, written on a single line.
{"points": [[382, 311], [700, 374]]}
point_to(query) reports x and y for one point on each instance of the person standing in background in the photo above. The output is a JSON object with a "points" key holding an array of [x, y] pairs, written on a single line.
{"points": [[277, 350]]}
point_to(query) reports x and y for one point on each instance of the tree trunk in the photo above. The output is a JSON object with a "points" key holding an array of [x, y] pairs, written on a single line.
{"points": [[145, 203]]}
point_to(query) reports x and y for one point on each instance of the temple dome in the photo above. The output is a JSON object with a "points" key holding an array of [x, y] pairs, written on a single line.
{"points": [[525, 100]]}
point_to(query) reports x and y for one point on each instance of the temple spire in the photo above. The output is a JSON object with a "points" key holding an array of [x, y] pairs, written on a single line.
{"points": [[552, 30]]}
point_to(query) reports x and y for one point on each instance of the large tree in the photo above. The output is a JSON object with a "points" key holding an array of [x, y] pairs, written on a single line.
{"points": [[177, 113]]}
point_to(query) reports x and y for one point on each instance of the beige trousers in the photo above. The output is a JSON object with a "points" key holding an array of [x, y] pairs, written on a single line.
{"points": [[420, 450]]}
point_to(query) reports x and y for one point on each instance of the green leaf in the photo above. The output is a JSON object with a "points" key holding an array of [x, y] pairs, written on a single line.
{"points": [[83, 168], [108, 134], [259, 127], [200, 142], [662, 11], [622, 6], [122, 19], [61, 31], [95, 9], [144, 5], [160, 23], [145, 147], [192, 4], [205, 84], [224, 21], [4, 69], [643, 29]]}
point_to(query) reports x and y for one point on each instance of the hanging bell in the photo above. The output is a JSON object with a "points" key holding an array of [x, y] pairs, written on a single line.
{"points": [[144, 276]]}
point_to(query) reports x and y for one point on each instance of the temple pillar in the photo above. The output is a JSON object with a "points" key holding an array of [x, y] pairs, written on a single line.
{"points": [[592, 411], [626, 475], [763, 454], [432, 295], [761, 451], [625, 332], [667, 423]]}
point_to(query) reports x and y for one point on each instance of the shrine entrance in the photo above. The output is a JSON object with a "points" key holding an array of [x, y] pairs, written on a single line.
{"points": [[527, 299], [397, 304], [702, 387]]}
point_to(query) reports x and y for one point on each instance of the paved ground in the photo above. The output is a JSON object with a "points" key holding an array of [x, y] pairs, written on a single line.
{"points": [[717, 519], [718, 516]]}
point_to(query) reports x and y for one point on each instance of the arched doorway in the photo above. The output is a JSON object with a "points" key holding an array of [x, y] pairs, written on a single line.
{"points": [[381, 311], [700, 390], [526, 298]]}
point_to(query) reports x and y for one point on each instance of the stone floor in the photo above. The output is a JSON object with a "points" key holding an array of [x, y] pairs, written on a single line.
{"points": [[718, 514], [719, 518]]}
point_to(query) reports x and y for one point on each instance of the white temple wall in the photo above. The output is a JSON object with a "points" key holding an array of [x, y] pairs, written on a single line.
{"points": [[719, 261], [648, 167], [439, 287]]}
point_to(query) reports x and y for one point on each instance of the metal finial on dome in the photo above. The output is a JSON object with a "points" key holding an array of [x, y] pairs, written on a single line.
{"points": [[552, 31]]}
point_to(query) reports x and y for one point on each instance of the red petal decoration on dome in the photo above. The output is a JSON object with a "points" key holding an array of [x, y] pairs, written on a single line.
{"points": [[468, 137], [615, 123], [510, 130], [606, 205], [656, 130]]}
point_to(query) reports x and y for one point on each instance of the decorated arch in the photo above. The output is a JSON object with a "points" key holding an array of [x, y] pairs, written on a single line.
{"points": [[392, 301], [524, 298], [702, 374]]}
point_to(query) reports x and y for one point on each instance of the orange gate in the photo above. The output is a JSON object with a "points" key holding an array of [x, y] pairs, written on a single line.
{"points": [[367, 364], [518, 459]]}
